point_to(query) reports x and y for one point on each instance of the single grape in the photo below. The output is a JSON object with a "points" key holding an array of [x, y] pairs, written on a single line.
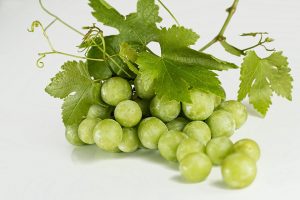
{"points": [[238, 170], [202, 105], [115, 90], [195, 167], [177, 124], [130, 141], [198, 130], [221, 123], [150, 130], [218, 148], [249, 147], [128, 113], [168, 144], [144, 88], [217, 100], [238, 111], [72, 135], [99, 111], [188, 146], [144, 105], [164, 109], [85, 130], [108, 135]]}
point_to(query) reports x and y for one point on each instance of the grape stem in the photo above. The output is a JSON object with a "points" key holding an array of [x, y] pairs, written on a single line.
{"points": [[220, 37]]}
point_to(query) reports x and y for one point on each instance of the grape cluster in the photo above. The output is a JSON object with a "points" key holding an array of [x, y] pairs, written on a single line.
{"points": [[195, 134]]}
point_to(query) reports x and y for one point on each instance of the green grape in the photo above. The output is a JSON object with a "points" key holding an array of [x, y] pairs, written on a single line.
{"points": [[195, 167], [221, 123], [202, 105], [164, 109], [144, 88], [238, 111], [108, 135], [177, 124], [130, 141], [144, 105], [217, 100], [238, 170], [72, 135], [128, 113], [115, 90], [99, 111], [188, 146], [198, 130], [218, 148], [150, 130], [168, 144], [85, 130], [248, 147]]}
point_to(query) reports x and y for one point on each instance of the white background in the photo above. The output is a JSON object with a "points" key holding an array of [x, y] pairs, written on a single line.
{"points": [[36, 162]]}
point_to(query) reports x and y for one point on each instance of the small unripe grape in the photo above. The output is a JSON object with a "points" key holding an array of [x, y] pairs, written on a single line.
{"points": [[115, 90], [238, 170], [164, 109], [108, 135], [218, 148], [195, 167], [168, 144], [144, 105], [144, 88], [238, 111], [177, 124], [130, 141], [128, 113], [72, 135], [202, 105], [198, 130], [188, 146], [85, 130], [150, 130], [221, 123], [99, 111], [248, 147]]}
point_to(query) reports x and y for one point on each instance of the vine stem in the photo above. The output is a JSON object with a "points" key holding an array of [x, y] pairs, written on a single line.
{"points": [[231, 10], [169, 11]]}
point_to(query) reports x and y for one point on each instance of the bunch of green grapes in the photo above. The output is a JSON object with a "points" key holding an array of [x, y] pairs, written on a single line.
{"points": [[195, 134]]}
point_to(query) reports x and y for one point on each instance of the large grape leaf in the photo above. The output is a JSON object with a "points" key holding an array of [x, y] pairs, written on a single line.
{"points": [[260, 77], [79, 91], [139, 27]]}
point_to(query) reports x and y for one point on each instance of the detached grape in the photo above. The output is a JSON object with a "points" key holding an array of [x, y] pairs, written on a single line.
{"points": [[202, 105], [238, 111], [150, 130], [72, 135], [238, 170], [164, 109], [128, 113], [115, 90], [221, 123], [168, 144], [108, 135], [248, 147], [198, 130], [85, 130], [195, 167]]}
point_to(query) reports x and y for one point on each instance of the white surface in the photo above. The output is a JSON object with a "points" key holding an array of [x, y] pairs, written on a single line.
{"points": [[36, 163]]}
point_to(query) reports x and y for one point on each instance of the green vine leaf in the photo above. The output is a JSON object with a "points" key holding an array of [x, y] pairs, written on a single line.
{"points": [[260, 77], [79, 91]]}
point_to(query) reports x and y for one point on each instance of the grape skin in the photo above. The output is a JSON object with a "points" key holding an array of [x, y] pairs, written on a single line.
{"points": [[221, 123], [164, 109], [198, 130], [72, 137], [85, 130], [108, 135], [99, 111], [195, 167], [177, 124], [218, 148], [130, 141], [150, 130], [248, 147], [188, 146], [141, 89], [238, 170], [168, 144]]}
